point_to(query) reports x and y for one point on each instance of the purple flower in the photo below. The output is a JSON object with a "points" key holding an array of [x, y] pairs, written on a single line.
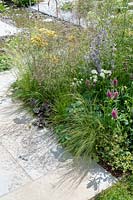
{"points": [[109, 94], [112, 95], [115, 95], [115, 82], [115, 113]]}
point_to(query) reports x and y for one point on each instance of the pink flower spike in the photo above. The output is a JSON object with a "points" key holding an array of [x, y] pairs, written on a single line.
{"points": [[115, 113], [115, 82], [109, 94], [115, 95]]}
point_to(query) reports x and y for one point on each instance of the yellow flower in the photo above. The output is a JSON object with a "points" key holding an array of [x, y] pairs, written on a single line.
{"points": [[54, 59], [45, 43], [129, 32], [36, 39], [42, 30], [71, 38], [48, 32], [39, 41]]}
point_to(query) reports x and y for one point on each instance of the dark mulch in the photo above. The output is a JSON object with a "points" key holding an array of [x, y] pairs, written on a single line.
{"points": [[116, 173]]}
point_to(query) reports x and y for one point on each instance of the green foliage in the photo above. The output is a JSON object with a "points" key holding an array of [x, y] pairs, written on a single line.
{"points": [[3, 7], [77, 128], [117, 149], [22, 3], [130, 184], [121, 191], [110, 57], [116, 193], [84, 6], [68, 6], [4, 62]]}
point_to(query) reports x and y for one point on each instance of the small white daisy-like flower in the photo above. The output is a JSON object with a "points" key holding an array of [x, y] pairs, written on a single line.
{"points": [[94, 77], [94, 80], [108, 72], [102, 75], [103, 71], [94, 71], [73, 84]]}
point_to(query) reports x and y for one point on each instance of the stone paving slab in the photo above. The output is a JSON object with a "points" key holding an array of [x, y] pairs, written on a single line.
{"points": [[33, 149], [12, 175], [51, 10], [52, 187], [6, 79], [7, 30]]}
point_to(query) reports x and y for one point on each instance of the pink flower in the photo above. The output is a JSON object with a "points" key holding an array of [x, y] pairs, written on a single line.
{"points": [[112, 95], [115, 113], [115, 82], [115, 95], [109, 94]]}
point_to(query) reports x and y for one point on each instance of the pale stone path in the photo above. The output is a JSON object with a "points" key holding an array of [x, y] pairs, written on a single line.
{"points": [[51, 10], [6, 29]]}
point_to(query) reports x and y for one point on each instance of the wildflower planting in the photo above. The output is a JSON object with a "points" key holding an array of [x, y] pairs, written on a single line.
{"points": [[81, 81]]}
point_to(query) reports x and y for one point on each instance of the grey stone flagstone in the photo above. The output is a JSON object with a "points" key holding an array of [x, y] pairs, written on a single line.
{"points": [[7, 30], [12, 175], [51, 10]]}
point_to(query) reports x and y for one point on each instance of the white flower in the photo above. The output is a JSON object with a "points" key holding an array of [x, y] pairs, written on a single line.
{"points": [[94, 80], [105, 71], [73, 84], [102, 75], [80, 82], [94, 71], [108, 72], [94, 77], [102, 70]]}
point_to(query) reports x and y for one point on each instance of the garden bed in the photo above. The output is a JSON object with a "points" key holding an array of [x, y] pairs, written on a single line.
{"points": [[80, 82]]}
